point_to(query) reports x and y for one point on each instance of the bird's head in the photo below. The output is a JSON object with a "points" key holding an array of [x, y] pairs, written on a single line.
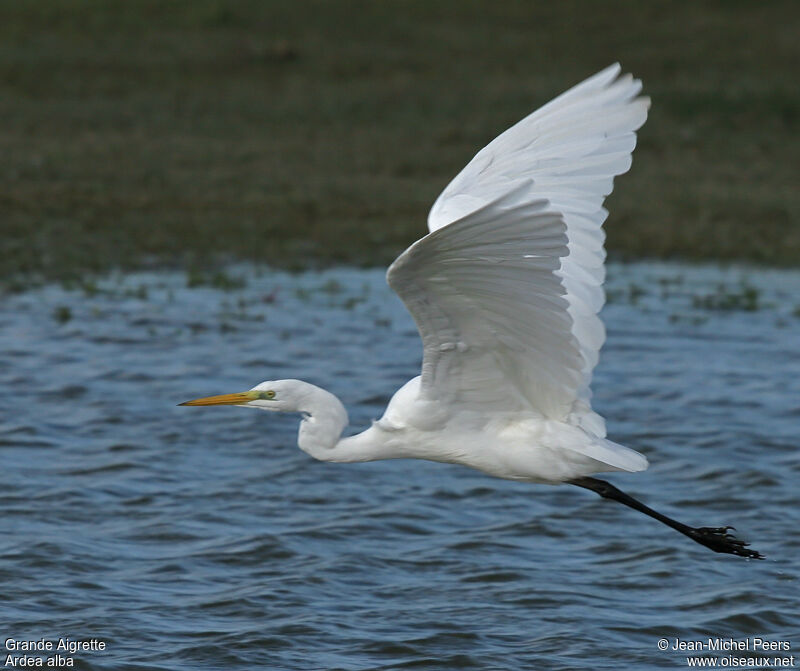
{"points": [[324, 416], [274, 395]]}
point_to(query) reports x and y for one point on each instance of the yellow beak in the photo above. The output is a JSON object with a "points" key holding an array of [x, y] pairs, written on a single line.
{"points": [[241, 398]]}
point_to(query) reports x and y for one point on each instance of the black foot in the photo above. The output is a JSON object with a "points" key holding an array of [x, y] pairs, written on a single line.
{"points": [[719, 540]]}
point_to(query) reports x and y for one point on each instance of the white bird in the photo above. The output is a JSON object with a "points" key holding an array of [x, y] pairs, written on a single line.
{"points": [[505, 290]]}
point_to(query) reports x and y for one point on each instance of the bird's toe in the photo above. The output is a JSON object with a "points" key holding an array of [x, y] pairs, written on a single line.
{"points": [[719, 540]]}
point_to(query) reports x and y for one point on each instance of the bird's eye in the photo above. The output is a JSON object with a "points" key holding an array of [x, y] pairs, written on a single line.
{"points": [[267, 395]]}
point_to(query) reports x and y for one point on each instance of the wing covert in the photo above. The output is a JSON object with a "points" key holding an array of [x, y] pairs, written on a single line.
{"points": [[490, 309]]}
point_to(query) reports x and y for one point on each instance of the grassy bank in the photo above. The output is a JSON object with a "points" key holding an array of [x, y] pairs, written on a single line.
{"points": [[314, 132]]}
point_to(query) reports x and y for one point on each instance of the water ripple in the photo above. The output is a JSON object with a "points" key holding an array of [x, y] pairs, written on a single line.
{"points": [[190, 540]]}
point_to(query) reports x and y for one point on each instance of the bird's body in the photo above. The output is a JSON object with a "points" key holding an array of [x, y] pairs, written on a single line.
{"points": [[510, 445], [505, 290]]}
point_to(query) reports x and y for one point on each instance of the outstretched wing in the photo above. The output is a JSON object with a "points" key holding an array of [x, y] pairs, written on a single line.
{"points": [[506, 287]]}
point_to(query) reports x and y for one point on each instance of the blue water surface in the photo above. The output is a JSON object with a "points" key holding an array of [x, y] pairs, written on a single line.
{"points": [[202, 538]]}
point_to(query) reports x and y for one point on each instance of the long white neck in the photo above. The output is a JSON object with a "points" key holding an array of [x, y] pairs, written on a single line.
{"points": [[324, 420]]}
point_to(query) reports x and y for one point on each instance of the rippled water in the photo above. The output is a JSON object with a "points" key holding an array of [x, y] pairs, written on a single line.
{"points": [[188, 538]]}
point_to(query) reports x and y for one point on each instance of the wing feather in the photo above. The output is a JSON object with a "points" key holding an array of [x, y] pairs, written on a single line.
{"points": [[507, 286]]}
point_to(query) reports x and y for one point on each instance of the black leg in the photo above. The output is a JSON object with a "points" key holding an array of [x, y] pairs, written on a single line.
{"points": [[718, 539]]}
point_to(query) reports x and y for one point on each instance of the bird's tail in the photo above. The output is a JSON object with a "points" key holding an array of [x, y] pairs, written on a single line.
{"points": [[617, 457]]}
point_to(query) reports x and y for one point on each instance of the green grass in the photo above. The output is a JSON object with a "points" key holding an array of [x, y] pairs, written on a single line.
{"points": [[161, 132]]}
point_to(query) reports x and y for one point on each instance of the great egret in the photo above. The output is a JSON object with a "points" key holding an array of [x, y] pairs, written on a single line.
{"points": [[505, 291]]}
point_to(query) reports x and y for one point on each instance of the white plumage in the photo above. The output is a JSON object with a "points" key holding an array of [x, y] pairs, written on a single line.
{"points": [[505, 291], [506, 288]]}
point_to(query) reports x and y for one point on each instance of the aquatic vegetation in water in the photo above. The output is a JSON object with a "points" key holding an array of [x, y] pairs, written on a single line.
{"points": [[635, 292], [694, 320], [630, 294], [332, 286], [217, 280], [140, 292], [237, 311], [338, 295], [62, 314], [746, 298]]}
